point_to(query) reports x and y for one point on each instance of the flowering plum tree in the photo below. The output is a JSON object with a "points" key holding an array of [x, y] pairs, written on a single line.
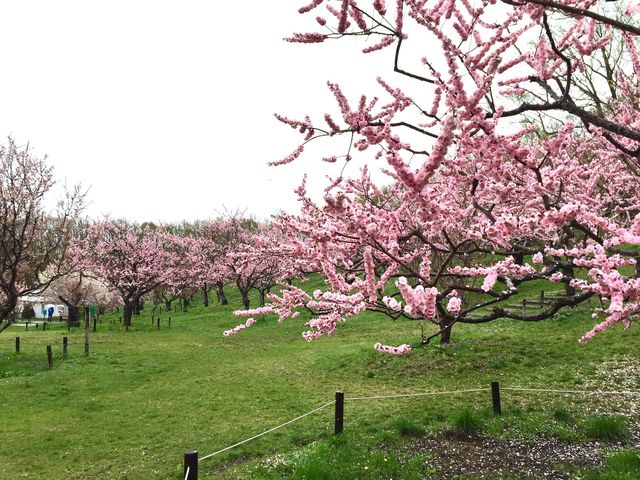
{"points": [[130, 259], [184, 281], [34, 241], [76, 288], [512, 152], [250, 259], [213, 241]]}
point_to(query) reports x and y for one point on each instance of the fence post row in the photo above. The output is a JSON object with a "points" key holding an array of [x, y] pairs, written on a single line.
{"points": [[339, 416], [191, 465]]}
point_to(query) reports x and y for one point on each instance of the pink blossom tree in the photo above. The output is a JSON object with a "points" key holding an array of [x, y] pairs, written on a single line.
{"points": [[186, 278], [34, 240], [511, 149], [214, 239], [77, 288], [132, 260]]}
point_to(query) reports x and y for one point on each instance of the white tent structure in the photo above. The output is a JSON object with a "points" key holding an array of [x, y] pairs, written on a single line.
{"points": [[41, 306]]}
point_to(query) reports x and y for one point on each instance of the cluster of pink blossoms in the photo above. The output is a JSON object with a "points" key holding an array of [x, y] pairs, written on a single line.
{"points": [[400, 350], [239, 328]]}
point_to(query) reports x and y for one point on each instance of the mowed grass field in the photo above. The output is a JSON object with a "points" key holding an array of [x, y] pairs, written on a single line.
{"points": [[143, 397]]}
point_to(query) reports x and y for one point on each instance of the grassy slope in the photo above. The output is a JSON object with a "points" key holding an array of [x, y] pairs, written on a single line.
{"points": [[143, 397]]}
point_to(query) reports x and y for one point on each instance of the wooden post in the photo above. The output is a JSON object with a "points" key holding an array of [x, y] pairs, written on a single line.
{"points": [[94, 323], [44, 326], [524, 306], [169, 321], [49, 357], [158, 323], [541, 298], [495, 396], [191, 465], [65, 343], [26, 325], [17, 344], [339, 416], [86, 330]]}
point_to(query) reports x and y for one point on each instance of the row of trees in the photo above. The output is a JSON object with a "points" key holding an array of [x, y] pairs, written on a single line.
{"points": [[173, 263], [58, 254]]}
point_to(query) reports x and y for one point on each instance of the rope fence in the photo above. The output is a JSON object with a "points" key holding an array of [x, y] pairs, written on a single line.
{"points": [[191, 459], [420, 394]]}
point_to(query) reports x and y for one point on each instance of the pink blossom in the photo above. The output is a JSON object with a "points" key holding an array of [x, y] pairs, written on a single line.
{"points": [[399, 350]]}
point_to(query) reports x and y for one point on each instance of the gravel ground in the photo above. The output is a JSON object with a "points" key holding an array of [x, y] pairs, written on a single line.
{"points": [[462, 456]]}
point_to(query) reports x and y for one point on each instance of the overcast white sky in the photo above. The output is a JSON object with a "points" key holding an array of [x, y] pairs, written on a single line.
{"points": [[165, 108]]}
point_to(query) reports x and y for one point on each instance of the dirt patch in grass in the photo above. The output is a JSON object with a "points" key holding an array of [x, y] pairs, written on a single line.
{"points": [[455, 455]]}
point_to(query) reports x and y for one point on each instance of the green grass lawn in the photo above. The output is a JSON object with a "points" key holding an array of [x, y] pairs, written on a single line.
{"points": [[143, 397]]}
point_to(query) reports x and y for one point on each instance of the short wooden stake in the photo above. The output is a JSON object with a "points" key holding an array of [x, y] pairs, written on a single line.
{"points": [[65, 343], [169, 321], [495, 395], [44, 326], [191, 465], [26, 326], [158, 323], [94, 324], [339, 416], [86, 330], [49, 357], [17, 344]]}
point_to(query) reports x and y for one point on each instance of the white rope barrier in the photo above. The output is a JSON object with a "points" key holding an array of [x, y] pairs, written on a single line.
{"points": [[186, 474], [421, 394], [267, 431]]}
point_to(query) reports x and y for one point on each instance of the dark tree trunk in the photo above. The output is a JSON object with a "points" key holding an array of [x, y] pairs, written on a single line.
{"points": [[568, 289], [445, 336], [185, 304], [73, 319], [205, 294], [136, 307], [262, 292], [128, 312], [222, 298], [7, 310], [245, 298], [167, 305]]}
